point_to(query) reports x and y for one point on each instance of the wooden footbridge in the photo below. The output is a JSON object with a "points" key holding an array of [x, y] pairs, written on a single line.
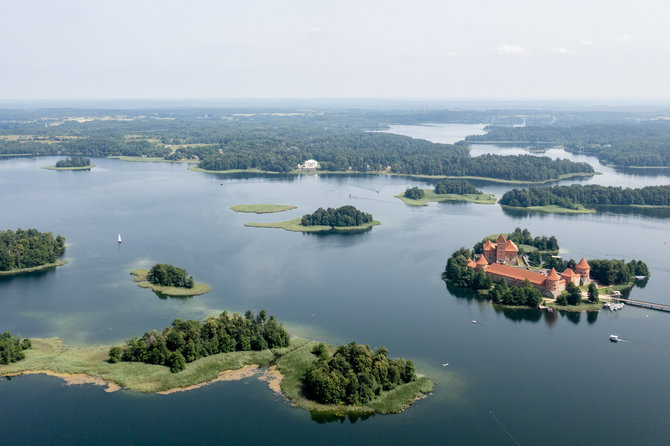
{"points": [[643, 304]]}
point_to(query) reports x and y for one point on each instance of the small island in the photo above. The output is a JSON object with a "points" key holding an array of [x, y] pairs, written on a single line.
{"points": [[346, 219], [447, 190], [29, 250], [585, 199], [262, 208], [191, 354], [528, 277], [168, 280], [73, 163]]}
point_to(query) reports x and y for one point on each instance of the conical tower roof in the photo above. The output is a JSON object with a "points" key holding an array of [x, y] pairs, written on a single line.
{"points": [[482, 261], [583, 264], [553, 275], [501, 239]]}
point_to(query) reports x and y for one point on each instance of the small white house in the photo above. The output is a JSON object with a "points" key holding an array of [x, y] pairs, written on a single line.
{"points": [[310, 165]]}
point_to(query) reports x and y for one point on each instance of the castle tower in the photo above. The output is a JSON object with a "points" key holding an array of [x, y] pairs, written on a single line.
{"points": [[500, 248], [584, 271], [481, 263], [552, 280]]}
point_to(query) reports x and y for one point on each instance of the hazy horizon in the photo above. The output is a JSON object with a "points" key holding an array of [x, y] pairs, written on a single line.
{"points": [[595, 52]]}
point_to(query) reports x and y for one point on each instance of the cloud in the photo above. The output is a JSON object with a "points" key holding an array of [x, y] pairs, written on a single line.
{"points": [[562, 50], [586, 42], [512, 50], [454, 54], [622, 38]]}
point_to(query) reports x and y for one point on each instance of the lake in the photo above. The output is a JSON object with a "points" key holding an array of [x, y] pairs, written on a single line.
{"points": [[515, 377]]}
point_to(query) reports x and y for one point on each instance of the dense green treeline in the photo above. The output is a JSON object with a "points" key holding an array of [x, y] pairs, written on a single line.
{"points": [[523, 237], [11, 348], [167, 275], [28, 249], [460, 187], [645, 143], [617, 272], [75, 161], [589, 195], [354, 374], [186, 341], [341, 217], [415, 193]]}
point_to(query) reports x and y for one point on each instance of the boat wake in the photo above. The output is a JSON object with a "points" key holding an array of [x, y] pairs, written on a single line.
{"points": [[503, 428]]}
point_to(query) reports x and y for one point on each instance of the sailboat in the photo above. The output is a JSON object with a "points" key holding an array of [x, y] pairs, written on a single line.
{"points": [[119, 239]]}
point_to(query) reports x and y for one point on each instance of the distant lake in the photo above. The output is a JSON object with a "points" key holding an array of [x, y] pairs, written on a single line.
{"points": [[515, 376]]}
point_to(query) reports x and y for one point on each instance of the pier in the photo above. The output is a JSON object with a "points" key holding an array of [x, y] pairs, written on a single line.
{"points": [[643, 304]]}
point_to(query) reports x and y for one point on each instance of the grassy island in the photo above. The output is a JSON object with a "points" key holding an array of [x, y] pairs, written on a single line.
{"points": [[191, 354], [143, 279], [430, 196], [73, 163], [295, 225], [89, 167], [262, 208]]}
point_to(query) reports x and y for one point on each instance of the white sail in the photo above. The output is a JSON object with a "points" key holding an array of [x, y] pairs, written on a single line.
{"points": [[119, 238]]}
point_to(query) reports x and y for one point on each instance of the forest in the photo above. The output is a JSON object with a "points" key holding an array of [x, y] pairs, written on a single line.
{"points": [[460, 187], [11, 348], [586, 195], [643, 143], [523, 237], [414, 193], [354, 374], [167, 275], [340, 217], [28, 249], [186, 341], [75, 161]]}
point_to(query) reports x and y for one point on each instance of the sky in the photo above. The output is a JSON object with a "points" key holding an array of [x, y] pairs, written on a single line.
{"points": [[466, 50]]}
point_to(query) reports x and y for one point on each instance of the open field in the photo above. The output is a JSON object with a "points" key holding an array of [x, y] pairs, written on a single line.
{"points": [[141, 279], [295, 226], [262, 208]]}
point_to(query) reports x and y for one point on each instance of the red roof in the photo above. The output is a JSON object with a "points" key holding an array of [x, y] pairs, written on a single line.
{"points": [[553, 275], [471, 263], [488, 245], [568, 273], [517, 273], [482, 261], [510, 246], [501, 239], [582, 264]]}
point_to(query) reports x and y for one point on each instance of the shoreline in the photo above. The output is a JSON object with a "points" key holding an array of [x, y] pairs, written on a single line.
{"points": [[72, 379], [89, 167], [35, 268], [141, 280], [409, 175], [294, 225], [432, 197]]}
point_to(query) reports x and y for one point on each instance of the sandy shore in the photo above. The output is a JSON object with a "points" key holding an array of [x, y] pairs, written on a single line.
{"points": [[273, 377], [227, 375], [72, 379]]}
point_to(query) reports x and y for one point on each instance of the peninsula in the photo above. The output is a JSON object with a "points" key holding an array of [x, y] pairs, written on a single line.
{"points": [[29, 250], [447, 190], [262, 208], [235, 347], [169, 280], [73, 163], [346, 219]]}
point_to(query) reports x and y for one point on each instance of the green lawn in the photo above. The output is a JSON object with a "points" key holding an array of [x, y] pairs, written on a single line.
{"points": [[295, 226], [585, 305], [262, 208], [141, 279], [431, 196]]}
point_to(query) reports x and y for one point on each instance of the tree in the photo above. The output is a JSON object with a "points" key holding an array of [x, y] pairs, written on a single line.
{"points": [[574, 294], [115, 354], [415, 193], [176, 362], [593, 293]]}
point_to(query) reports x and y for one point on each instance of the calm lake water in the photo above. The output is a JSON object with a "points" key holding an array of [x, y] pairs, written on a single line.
{"points": [[516, 377]]}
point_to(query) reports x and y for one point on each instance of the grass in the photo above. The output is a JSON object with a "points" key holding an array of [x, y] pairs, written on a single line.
{"points": [[198, 169], [149, 159], [89, 167], [293, 366], [34, 268], [262, 208], [141, 279], [431, 196], [53, 356], [584, 305], [295, 226], [552, 209]]}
